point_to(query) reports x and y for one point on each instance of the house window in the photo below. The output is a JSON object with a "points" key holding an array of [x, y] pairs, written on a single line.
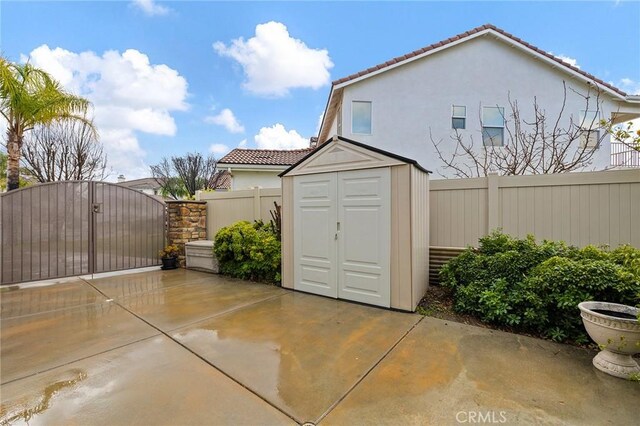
{"points": [[458, 117], [361, 117], [493, 126], [589, 123], [590, 139]]}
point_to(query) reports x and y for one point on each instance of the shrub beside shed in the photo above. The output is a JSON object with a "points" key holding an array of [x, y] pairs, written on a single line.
{"points": [[355, 225]]}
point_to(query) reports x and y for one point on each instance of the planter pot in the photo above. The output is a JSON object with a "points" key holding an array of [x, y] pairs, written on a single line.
{"points": [[169, 263], [615, 328]]}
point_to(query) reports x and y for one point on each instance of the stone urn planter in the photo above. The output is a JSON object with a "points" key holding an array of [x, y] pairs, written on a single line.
{"points": [[615, 328]]}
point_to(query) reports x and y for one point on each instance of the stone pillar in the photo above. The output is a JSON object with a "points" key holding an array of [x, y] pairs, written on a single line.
{"points": [[187, 221]]}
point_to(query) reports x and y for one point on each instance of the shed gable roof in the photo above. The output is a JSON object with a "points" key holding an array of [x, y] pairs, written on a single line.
{"points": [[341, 153]]}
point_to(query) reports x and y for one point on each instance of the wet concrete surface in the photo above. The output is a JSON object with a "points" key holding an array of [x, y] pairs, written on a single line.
{"points": [[300, 352], [185, 347], [34, 343], [152, 382], [177, 306], [446, 373], [33, 298], [122, 286]]}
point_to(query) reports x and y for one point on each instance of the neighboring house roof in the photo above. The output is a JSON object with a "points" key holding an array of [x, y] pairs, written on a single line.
{"points": [[337, 85], [143, 183], [264, 157], [224, 180], [465, 35]]}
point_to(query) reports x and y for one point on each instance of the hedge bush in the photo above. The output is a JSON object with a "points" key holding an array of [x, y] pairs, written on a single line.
{"points": [[536, 287], [249, 251]]}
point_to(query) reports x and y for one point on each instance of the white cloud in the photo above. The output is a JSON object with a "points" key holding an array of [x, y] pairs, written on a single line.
{"points": [[219, 149], [242, 143], [569, 60], [228, 120], [277, 137], [150, 7], [274, 62], [630, 86], [129, 95]]}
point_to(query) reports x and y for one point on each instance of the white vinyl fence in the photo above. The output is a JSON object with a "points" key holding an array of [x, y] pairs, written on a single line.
{"points": [[601, 208], [225, 208]]}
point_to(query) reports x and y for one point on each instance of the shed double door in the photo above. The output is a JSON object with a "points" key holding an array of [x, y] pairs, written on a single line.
{"points": [[342, 227]]}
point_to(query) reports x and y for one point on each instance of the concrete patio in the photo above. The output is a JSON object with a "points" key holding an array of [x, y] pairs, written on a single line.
{"points": [[183, 347]]}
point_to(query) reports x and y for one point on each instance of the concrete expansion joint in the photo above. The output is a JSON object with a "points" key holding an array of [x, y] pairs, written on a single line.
{"points": [[357, 383], [162, 332]]}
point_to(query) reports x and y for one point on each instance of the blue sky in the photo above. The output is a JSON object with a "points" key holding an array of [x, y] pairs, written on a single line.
{"points": [[171, 77]]}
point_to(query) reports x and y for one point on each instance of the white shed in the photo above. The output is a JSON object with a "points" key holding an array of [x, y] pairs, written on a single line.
{"points": [[355, 225]]}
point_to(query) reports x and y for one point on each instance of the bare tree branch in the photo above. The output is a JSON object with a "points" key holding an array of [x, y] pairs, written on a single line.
{"points": [[64, 150], [183, 176], [535, 145]]}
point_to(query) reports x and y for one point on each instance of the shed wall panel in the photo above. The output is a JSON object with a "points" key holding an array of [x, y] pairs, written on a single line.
{"points": [[401, 295], [287, 232], [419, 234]]}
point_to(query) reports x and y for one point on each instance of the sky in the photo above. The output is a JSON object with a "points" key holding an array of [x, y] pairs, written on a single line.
{"points": [[170, 77]]}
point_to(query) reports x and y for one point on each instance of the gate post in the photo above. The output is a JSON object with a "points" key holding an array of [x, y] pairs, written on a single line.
{"points": [[187, 221]]}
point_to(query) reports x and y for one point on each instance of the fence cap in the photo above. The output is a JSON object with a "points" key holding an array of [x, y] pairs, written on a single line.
{"points": [[185, 202]]}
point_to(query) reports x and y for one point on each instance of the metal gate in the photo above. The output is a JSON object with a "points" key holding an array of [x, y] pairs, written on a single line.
{"points": [[73, 228]]}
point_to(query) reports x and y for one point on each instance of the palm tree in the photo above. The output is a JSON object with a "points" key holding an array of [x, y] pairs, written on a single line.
{"points": [[28, 97]]}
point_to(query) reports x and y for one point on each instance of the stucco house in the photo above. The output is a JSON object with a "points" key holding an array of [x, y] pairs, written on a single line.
{"points": [[251, 168], [149, 185], [465, 87]]}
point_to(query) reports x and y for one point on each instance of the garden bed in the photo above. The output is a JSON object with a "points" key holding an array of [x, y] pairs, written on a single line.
{"points": [[532, 288], [438, 303]]}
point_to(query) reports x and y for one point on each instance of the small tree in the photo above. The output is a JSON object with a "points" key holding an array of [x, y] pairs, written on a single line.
{"points": [[64, 150], [533, 145], [623, 133], [183, 176]]}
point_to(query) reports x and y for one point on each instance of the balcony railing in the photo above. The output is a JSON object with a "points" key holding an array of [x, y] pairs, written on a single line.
{"points": [[623, 155]]}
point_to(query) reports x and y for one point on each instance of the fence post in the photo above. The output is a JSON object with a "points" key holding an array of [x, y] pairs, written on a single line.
{"points": [[256, 203], [493, 202]]}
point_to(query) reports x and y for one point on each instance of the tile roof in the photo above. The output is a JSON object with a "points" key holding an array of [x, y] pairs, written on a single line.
{"points": [[267, 157], [223, 179], [145, 183], [466, 34]]}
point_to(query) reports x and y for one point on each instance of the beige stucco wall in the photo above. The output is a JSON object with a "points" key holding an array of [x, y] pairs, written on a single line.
{"points": [[247, 179]]}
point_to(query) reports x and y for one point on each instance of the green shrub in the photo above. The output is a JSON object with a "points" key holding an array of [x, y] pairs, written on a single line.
{"points": [[249, 251], [536, 287]]}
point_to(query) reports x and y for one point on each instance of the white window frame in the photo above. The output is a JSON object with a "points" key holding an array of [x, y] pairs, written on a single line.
{"points": [[464, 117], [590, 139], [501, 109], [370, 117]]}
